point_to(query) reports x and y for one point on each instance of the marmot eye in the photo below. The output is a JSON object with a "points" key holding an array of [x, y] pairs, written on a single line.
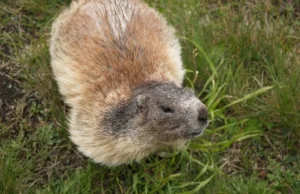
{"points": [[166, 109]]}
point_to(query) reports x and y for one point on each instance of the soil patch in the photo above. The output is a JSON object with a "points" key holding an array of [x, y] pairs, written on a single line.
{"points": [[10, 90]]}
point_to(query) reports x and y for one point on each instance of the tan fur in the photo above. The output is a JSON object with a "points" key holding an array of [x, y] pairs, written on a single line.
{"points": [[93, 74]]}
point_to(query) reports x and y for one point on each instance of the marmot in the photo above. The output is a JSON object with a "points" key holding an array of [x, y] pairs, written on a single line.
{"points": [[118, 66]]}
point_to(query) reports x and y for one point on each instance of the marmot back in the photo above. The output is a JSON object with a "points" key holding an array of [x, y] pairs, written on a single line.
{"points": [[118, 66]]}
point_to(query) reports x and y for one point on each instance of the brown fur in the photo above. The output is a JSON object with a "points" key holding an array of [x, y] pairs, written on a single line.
{"points": [[101, 51]]}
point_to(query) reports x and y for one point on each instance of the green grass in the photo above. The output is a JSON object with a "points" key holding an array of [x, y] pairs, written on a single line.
{"points": [[243, 61]]}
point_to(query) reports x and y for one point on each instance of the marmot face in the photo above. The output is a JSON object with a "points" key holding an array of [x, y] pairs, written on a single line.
{"points": [[160, 113]]}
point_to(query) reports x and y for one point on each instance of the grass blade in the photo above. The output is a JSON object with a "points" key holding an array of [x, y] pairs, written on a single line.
{"points": [[248, 96]]}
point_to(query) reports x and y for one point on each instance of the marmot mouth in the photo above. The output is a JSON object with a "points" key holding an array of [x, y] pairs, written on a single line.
{"points": [[195, 134]]}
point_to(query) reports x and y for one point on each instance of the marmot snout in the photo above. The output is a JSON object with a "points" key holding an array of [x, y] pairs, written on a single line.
{"points": [[118, 67]]}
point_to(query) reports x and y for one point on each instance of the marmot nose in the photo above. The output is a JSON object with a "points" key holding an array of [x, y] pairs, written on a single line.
{"points": [[203, 114]]}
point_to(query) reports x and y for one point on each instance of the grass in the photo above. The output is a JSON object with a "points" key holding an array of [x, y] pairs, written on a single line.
{"points": [[242, 59]]}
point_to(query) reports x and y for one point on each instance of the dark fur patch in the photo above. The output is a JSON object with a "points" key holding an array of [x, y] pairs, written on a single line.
{"points": [[117, 119]]}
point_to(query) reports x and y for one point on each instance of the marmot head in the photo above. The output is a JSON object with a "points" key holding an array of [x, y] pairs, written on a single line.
{"points": [[158, 114]]}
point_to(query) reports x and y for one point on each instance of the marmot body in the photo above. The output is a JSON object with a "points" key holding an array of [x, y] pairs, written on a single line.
{"points": [[118, 67]]}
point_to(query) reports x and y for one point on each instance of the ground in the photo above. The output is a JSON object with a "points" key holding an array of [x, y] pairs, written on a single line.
{"points": [[242, 60], [9, 92]]}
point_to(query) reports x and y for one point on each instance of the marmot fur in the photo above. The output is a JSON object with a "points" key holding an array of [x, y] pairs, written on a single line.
{"points": [[118, 66]]}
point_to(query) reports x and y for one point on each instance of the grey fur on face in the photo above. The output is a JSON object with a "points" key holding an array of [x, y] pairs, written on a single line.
{"points": [[163, 110]]}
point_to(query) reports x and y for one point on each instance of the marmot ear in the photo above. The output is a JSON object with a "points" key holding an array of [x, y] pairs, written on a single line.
{"points": [[142, 102]]}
